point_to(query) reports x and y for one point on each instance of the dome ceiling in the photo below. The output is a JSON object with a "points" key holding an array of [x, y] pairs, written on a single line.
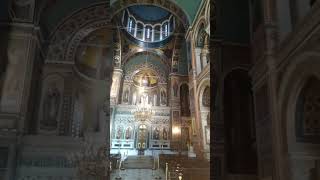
{"points": [[148, 13], [54, 11]]}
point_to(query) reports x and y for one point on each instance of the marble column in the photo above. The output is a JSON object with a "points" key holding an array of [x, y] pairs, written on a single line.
{"points": [[21, 49], [193, 87]]}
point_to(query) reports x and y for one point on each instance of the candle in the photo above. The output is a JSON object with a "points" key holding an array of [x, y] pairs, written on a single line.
{"points": [[166, 171]]}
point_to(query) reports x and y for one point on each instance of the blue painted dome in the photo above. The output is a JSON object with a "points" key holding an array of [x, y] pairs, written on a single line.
{"points": [[148, 12]]}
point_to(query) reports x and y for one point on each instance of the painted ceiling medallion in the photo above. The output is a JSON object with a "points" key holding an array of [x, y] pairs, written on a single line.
{"points": [[145, 78]]}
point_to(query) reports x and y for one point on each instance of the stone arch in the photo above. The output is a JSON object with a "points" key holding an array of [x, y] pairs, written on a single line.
{"points": [[179, 86], [239, 123], [72, 29], [204, 86], [293, 152], [136, 52], [170, 6], [201, 24], [307, 117]]}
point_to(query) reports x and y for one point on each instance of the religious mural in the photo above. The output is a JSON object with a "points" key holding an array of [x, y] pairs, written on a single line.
{"points": [[145, 78], [51, 107], [93, 52], [308, 108], [206, 97], [163, 98], [51, 103]]}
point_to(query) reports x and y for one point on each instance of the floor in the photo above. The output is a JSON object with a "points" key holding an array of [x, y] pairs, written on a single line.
{"points": [[138, 174], [138, 168]]}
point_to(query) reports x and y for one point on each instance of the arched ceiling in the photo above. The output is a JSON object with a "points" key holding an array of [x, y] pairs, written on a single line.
{"points": [[55, 11]]}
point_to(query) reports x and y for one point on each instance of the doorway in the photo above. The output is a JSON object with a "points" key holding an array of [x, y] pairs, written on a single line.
{"points": [[142, 139]]}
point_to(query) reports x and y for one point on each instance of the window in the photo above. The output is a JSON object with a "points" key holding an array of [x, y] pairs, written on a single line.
{"points": [[130, 25], [139, 31], [166, 30], [148, 33]]}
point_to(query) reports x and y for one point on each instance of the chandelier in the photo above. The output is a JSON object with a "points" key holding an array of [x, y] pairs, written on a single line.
{"points": [[143, 110]]}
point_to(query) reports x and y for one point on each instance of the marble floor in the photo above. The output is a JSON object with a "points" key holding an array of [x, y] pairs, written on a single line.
{"points": [[138, 174]]}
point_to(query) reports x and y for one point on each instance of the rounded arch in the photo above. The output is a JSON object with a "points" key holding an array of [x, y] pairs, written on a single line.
{"points": [[72, 29], [138, 52], [201, 24], [295, 76], [237, 68], [239, 123], [202, 85], [294, 79], [170, 6], [179, 86]]}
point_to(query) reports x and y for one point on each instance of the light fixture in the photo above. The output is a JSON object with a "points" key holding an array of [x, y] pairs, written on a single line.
{"points": [[176, 130], [143, 109]]}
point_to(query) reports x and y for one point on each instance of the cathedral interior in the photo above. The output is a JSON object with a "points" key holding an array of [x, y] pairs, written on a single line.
{"points": [[159, 89]]}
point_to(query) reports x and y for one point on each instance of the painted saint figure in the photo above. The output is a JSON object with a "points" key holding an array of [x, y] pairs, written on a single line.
{"points": [[175, 89], [156, 133], [163, 98], [119, 133], [128, 133], [165, 134], [51, 108], [126, 96], [134, 98]]}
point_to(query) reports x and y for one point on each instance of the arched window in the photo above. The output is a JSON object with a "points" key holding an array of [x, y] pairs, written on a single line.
{"points": [[131, 26], [201, 49], [201, 36], [148, 33], [307, 112], [206, 97], [139, 31], [165, 30]]}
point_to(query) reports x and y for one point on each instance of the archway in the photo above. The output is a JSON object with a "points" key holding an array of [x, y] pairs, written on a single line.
{"points": [[239, 124]]}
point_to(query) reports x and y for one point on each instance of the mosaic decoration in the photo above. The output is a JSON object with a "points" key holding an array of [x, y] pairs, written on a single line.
{"points": [[162, 78], [68, 34]]}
